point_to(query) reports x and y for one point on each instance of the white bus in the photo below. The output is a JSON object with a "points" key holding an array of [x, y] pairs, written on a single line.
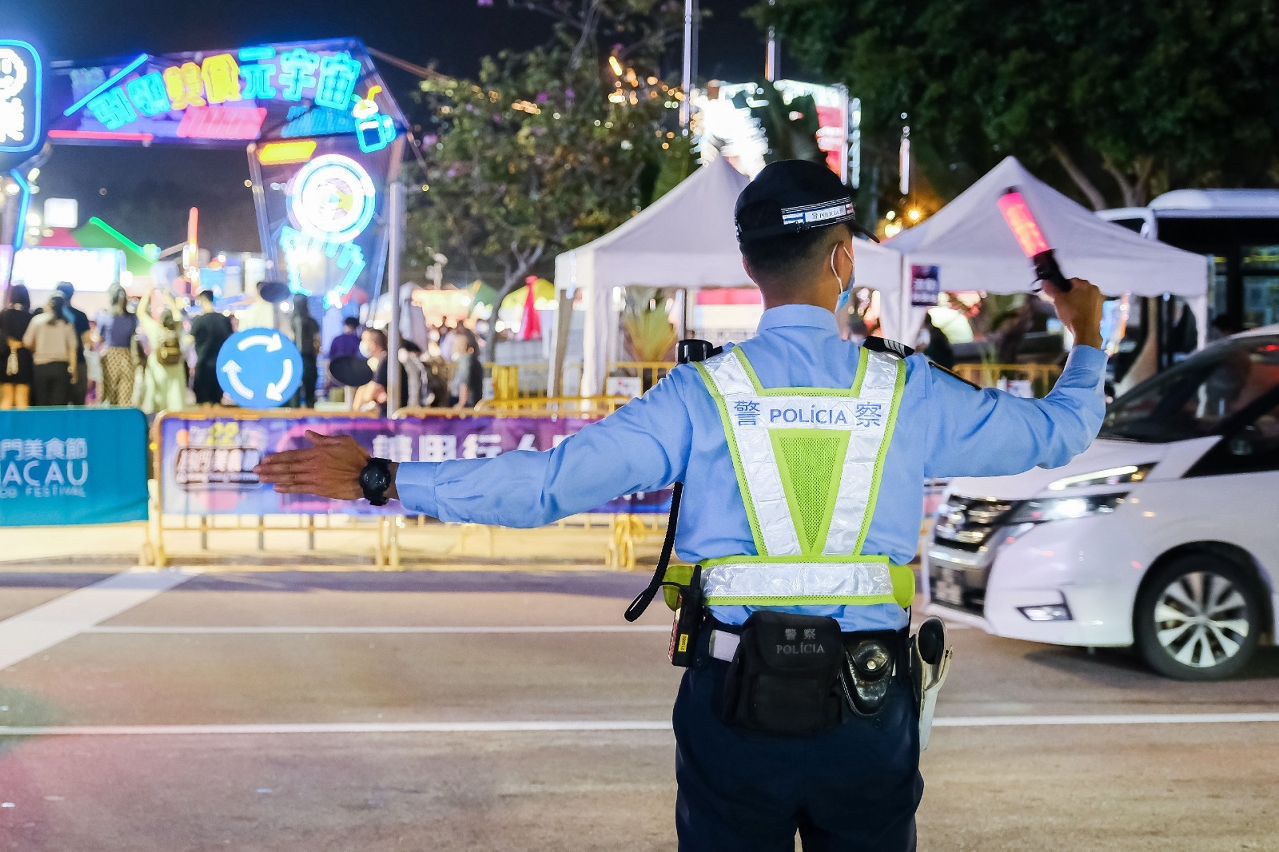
{"points": [[1237, 231]]}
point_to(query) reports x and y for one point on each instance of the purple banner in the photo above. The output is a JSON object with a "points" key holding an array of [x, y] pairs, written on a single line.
{"points": [[207, 464]]}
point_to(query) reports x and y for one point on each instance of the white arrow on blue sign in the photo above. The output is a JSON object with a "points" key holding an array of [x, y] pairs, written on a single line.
{"points": [[259, 368]]}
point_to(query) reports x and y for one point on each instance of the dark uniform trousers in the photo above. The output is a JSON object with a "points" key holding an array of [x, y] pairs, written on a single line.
{"points": [[853, 788]]}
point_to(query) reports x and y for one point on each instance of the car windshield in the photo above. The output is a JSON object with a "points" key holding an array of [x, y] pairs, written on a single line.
{"points": [[1193, 398]]}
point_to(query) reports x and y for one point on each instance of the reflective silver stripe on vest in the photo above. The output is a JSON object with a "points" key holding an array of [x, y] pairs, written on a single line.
{"points": [[751, 416], [801, 580], [755, 450], [875, 405]]}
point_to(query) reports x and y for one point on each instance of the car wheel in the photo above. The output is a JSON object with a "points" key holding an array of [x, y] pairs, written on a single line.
{"points": [[1198, 618]]}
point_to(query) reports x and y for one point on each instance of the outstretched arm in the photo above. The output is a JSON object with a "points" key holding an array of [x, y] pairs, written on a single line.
{"points": [[642, 447], [991, 433]]}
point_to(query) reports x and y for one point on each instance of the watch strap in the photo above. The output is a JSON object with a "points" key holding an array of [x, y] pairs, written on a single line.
{"points": [[375, 495]]}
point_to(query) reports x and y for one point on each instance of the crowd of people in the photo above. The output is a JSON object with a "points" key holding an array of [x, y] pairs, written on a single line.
{"points": [[157, 354]]}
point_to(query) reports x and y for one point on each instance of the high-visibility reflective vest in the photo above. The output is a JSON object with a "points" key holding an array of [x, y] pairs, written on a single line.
{"points": [[808, 464]]}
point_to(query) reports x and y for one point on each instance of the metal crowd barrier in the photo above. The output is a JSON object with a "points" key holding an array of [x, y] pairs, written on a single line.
{"points": [[1040, 376]]}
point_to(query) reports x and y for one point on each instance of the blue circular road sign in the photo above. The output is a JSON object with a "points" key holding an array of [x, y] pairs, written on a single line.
{"points": [[259, 368]]}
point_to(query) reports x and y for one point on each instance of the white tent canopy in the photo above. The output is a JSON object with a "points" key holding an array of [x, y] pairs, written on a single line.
{"points": [[685, 239], [973, 249]]}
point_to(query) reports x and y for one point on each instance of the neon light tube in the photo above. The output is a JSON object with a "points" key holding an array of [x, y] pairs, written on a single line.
{"points": [[111, 81], [283, 153], [24, 203], [102, 135], [128, 243], [256, 54]]}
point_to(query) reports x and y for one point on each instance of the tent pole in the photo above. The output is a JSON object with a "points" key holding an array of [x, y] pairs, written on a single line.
{"points": [[559, 349], [395, 247]]}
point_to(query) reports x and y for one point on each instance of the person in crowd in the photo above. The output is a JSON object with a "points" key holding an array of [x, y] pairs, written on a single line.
{"points": [[418, 391], [347, 343], [260, 314], [938, 348], [54, 346], [306, 334], [413, 327], [344, 345], [373, 396], [468, 375], [117, 330], [1222, 326], [93, 365], [17, 370], [165, 376], [80, 324], [1011, 331], [210, 330]]}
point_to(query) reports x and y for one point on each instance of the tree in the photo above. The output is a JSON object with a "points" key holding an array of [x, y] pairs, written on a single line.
{"points": [[548, 149], [1127, 97]]}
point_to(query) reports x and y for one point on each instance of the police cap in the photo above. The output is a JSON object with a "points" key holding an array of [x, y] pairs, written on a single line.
{"points": [[793, 196]]}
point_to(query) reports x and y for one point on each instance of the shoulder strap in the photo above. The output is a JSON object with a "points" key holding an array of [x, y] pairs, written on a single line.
{"points": [[887, 347], [688, 351], [644, 598]]}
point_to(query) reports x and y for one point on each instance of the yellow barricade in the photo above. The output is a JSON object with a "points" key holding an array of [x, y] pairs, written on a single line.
{"points": [[1040, 376]]}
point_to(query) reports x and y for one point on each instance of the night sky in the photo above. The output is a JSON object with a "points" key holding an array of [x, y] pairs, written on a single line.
{"points": [[148, 191]]}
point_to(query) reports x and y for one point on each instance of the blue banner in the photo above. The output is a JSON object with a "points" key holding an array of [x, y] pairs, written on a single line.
{"points": [[72, 466]]}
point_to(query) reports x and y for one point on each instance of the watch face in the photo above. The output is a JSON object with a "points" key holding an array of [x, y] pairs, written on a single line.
{"points": [[375, 479]]}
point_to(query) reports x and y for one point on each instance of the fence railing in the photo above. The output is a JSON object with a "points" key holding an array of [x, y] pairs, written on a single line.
{"points": [[649, 372], [1039, 376], [555, 406]]}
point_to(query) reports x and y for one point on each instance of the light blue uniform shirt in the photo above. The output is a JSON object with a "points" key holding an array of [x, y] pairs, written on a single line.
{"points": [[673, 433]]}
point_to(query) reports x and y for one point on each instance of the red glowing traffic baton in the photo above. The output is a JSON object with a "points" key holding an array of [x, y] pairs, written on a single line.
{"points": [[1031, 238]]}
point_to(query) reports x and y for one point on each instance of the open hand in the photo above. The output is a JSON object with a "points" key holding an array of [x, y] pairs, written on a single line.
{"points": [[329, 468]]}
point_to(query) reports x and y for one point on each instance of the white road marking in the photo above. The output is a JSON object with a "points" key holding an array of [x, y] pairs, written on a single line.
{"points": [[273, 630], [38, 629], [586, 725], [1133, 719], [332, 728], [304, 629]]}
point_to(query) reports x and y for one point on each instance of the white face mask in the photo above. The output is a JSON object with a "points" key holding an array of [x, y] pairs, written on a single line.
{"points": [[365, 350], [845, 288]]}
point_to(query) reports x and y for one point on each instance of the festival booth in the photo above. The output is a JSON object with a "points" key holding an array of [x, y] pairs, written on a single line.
{"points": [[967, 246], [325, 141], [686, 239]]}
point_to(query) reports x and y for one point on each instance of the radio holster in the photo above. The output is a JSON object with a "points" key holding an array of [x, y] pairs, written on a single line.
{"points": [[783, 678], [868, 674], [929, 665]]}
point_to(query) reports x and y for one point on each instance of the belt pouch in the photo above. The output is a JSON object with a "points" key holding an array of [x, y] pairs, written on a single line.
{"points": [[783, 678]]}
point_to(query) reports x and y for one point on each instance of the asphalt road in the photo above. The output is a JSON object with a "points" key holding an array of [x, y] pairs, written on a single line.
{"points": [[455, 711]]}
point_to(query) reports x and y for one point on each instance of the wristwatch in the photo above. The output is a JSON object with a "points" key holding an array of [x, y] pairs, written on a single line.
{"points": [[375, 479]]}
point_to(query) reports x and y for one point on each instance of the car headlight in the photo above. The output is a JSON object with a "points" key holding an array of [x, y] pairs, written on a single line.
{"points": [[1111, 476], [1065, 508]]}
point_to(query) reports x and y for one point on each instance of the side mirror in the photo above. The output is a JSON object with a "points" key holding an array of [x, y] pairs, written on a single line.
{"points": [[1244, 442]]}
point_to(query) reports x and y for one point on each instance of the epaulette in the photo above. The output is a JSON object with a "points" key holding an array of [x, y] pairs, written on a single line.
{"points": [[888, 347], [954, 375]]}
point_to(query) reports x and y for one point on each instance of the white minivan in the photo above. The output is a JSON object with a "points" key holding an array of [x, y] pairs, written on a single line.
{"points": [[1163, 535]]}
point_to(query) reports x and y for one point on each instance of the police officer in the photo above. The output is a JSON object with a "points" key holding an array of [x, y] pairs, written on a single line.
{"points": [[803, 458]]}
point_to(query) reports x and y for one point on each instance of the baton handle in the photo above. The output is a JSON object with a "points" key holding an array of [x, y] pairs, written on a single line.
{"points": [[1047, 269]]}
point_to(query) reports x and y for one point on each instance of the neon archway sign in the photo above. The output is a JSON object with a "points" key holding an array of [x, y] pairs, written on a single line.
{"points": [[332, 198]]}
